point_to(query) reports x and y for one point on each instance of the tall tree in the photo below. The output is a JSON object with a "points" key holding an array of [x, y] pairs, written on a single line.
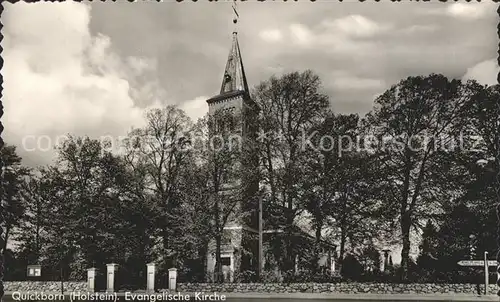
{"points": [[30, 233], [59, 240], [414, 122], [86, 174], [159, 149], [84, 212], [13, 177], [453, 243], [220, 170], [481, 148], [290, 106], [337, 180], [474, 169], [89, 220]]}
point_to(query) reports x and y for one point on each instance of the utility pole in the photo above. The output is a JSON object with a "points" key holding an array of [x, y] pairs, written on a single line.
{"points": [[260, 239], [486, 273], [496, 164]]}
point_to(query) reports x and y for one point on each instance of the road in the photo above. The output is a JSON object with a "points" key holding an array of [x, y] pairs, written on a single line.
{"points": [[250, 297], [356, 297]]}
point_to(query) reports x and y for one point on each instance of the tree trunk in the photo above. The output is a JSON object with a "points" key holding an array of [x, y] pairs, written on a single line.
{"points": [[317, 250], [6, 239], [218, 259], [202, 254], [271, 174], [165, 237], [405, 252], [37, 242], [289, 257], [37, 230], [62, 276], [405, 215], [343, 239]]}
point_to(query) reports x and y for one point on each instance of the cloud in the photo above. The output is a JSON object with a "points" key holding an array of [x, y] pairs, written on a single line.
{"points": [[195, 108], [301, 34], [141, 65], [182, 59], [485, 72], [469, 10], [356, 26], [271, 35], [328, 40], [464, 11], [419, 28], [346, 35], [353, 82], [58, 78]]}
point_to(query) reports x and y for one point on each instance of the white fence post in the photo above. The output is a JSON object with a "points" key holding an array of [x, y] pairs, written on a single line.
{"points": [[172, 279], [91, 276], [150, 281], [110, 277]]}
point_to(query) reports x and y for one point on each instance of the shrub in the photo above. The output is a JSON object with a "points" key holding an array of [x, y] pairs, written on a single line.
{"points": [[270, 277], [192, 271], [306, 276], [351, 268], [245, 277]]}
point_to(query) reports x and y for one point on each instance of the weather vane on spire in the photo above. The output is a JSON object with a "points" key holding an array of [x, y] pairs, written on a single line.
{"points": [[235, 19]]}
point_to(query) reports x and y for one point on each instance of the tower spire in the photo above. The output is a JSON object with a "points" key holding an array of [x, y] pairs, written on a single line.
{"points": [[234, 74]]}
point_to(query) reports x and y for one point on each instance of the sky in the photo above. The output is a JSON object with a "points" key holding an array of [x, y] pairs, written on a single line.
{"points": [[92, 69]]}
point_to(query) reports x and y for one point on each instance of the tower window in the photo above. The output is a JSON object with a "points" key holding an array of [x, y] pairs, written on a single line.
{"points": [[227, 79], [220, 126], [225, 261]]}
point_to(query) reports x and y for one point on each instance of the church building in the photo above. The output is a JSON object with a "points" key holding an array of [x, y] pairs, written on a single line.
{"points": [[240, 245], [239, 249]]}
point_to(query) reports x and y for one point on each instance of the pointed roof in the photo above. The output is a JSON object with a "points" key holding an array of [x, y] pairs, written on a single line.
{"points": [[234, 78]]}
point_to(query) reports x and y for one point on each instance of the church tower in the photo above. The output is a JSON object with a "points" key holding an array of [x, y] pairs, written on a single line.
{"points": [[234, 101], [234, 93]]}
